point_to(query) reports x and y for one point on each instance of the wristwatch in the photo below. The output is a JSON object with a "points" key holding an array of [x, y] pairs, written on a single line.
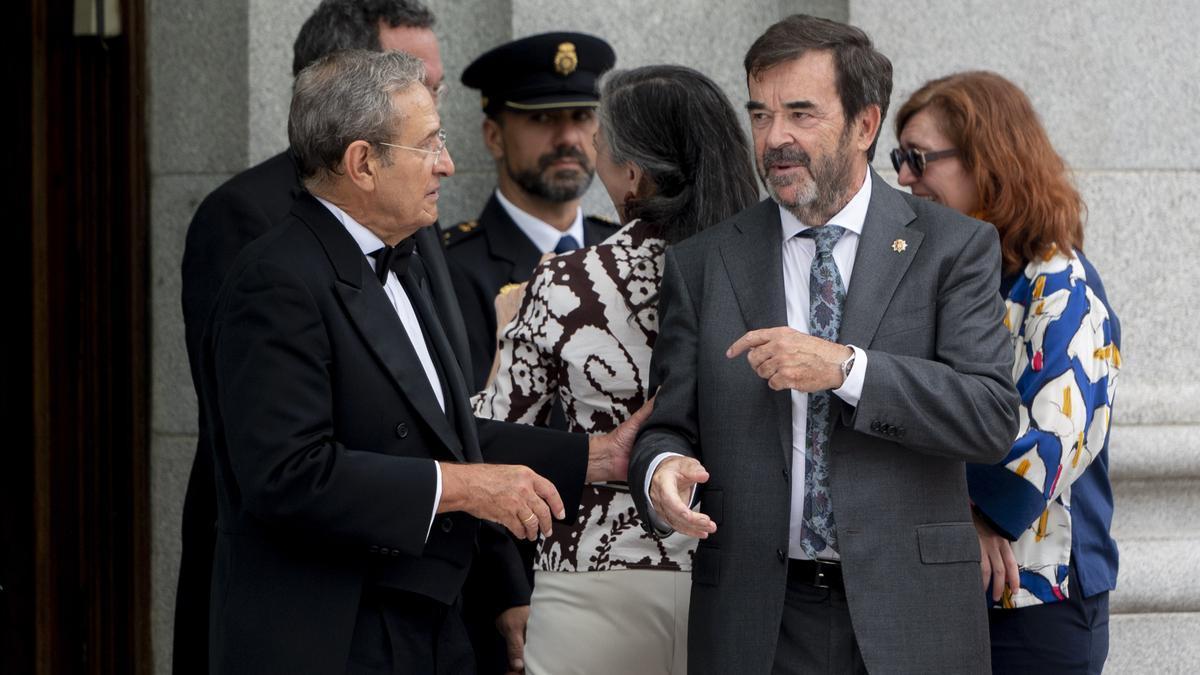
{"points": [[847, 365]]}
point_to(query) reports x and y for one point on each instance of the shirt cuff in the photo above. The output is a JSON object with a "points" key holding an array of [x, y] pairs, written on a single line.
{"points": [[851, 389], [437, 498], [657, 522]]}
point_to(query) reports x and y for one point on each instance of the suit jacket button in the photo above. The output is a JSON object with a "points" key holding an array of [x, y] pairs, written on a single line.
{"points": [[781, 555], [402, 430], [875, 425], [373, 549], [447, 524], [900, 431], [395, 553]]}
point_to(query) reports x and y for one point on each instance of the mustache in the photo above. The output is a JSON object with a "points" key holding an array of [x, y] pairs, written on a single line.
{"points": [[785, 155], [574, 153]]}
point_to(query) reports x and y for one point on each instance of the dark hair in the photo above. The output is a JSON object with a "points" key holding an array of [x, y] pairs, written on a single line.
{"points": [[680, 129], [1024, 187], [864, 76], [344, 97], [353, 24]]}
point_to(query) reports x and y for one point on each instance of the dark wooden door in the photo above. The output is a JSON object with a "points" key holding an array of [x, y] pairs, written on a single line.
{"points": [[74, 488]]}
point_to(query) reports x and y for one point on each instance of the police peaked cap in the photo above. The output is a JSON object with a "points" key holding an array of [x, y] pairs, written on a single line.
{"points": [[541, 72]]}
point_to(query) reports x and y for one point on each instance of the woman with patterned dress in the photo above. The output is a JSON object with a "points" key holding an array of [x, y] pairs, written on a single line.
{"points": [[973, 142], [609, 597]]}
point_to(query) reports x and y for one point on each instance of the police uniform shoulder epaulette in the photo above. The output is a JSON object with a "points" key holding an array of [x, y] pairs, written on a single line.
{"points": [[460, 232]]}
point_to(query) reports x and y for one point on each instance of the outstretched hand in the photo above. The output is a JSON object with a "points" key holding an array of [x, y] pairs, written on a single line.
{"points": [[670, 491]]}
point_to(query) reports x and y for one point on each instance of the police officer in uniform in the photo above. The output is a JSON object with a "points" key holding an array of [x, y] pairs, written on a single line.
{"points": [[539, 96]]}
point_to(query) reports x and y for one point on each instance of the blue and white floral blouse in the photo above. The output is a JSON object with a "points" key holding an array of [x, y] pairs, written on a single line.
{"points": [[1051, 494]]}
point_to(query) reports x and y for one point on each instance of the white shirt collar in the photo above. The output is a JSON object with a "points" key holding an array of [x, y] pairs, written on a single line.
{"points": [[852, 216], [366, 239], [543, 235]]}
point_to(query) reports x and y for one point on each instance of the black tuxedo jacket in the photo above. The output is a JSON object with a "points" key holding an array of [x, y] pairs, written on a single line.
{"points": [[324, 431], [236, 213]]}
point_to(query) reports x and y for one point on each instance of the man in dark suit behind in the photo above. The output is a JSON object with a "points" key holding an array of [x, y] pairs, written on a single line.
{"points": [[243, 209], [539, 100], [828, 361], [349, 468]]}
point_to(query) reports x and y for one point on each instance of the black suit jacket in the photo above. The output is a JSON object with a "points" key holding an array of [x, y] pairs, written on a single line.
{"points": [[236, 213], [487, 254], [324, 431]]}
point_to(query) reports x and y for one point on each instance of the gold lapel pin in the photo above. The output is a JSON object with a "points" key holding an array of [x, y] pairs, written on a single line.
{"points": [[899, 245]]}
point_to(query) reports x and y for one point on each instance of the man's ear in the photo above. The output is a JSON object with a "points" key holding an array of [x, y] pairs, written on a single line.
{"points": [[361, 165], [493, 137], [866, 126]]}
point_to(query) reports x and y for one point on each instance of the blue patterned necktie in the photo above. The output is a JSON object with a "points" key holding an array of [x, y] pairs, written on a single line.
{"points": [[567, 243], [826, 295]]}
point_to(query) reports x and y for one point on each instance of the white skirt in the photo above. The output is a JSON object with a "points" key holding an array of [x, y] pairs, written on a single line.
{"points": [[615, 621]]}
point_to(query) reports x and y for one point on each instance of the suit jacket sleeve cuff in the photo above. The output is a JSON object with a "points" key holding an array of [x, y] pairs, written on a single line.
{"points": [[437, 498]]}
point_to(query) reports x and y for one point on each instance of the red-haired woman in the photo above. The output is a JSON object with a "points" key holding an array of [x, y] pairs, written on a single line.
{"points": [[973, 142]]}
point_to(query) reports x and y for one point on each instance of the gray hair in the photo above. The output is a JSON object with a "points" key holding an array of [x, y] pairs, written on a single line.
{"points": [[680, 129], [344, 97], [353, 24]]}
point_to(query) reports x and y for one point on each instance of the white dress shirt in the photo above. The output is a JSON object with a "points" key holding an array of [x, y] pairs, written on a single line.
{"points": [[543, 235], [368, 242], [798, 254]]}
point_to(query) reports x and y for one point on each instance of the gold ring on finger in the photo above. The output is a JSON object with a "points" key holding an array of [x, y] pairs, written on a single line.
{"points": [[530, 519]]}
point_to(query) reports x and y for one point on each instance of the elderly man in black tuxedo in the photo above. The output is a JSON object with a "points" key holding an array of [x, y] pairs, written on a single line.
{"points": [[243, 209], [350, 472]]}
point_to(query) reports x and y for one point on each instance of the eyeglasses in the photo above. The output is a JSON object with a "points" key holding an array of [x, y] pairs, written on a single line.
{"points": [[436, 152], [917, 159]]}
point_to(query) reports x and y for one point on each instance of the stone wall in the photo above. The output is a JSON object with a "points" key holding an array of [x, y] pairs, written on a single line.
{"points": [[1113, 81]]}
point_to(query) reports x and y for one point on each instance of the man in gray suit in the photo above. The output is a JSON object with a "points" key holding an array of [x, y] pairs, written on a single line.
{"points": [[828, 360]]}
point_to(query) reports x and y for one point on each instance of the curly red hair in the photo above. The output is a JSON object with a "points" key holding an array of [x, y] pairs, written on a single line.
{"points": [[1024, 186]]}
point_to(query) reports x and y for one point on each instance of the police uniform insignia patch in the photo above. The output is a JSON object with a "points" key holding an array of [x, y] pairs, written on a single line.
{"points": [[566, 60], [459, 231]]}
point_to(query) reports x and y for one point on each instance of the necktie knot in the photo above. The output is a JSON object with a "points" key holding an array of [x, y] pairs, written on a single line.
{"points": [[567, 243], [826, 237], [394, 258]]}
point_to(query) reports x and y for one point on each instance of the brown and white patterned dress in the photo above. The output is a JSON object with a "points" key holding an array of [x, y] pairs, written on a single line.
{"points": [[584, 334]]}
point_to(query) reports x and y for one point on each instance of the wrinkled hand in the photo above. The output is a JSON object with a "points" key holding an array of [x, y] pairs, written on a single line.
{"points": [[671, 489], [513, 496], [997, 563], [608, 455], [511, 624], [789, 359]]}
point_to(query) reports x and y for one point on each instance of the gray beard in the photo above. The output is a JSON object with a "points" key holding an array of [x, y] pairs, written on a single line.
{"points": [[821, 197]]}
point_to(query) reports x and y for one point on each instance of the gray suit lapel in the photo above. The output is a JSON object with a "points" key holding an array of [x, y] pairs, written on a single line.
{"points": [[878, 267], [754, 262]]}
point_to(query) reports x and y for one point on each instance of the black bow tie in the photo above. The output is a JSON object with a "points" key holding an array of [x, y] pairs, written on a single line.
{"points": [[394, 258]]}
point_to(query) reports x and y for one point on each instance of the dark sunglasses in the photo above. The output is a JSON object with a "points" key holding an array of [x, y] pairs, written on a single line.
{"points": [[917, 159]]}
